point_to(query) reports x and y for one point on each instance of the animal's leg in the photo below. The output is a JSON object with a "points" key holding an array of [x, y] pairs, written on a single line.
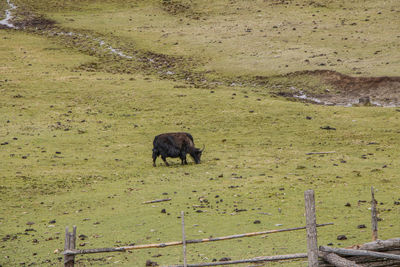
{"points": [[165, 160], [183, 158], [184, 162], [155, 155]]}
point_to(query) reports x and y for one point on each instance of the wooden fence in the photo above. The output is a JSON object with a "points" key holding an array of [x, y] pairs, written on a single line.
{"points": [[317, 256]]}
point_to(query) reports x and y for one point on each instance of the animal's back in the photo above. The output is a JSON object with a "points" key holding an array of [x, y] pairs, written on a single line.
{"points": [[179, 138]]}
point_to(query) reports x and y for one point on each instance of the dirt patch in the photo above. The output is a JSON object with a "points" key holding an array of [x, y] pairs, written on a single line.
{"points": [[26, 19], [291, 2], [175, 7], [348, 90]]}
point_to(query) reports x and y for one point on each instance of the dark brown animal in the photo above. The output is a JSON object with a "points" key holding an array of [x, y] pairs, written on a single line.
{"points": [[175, 145]]}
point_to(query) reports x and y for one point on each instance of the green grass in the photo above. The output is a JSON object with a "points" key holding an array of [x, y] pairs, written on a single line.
{"points": [[79, 142]]}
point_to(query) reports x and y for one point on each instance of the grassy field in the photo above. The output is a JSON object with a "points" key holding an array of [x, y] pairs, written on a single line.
{"points": [[77, 125], [252, 37]]}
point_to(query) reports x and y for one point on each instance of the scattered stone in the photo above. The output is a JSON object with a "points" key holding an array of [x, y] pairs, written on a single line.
{"points": [[342, 237], [52, 221], [163, 211], [366, 101], [348, 204], [257, 222], [239, 210], [327, 128], [82, 237], [30, 223], [225, 259], [361, 226], [9, 237], [151, 263]]}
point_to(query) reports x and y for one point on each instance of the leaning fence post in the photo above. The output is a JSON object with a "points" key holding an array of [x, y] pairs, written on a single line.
{"points": [[374, 216], [311, 226], [70, 239]]}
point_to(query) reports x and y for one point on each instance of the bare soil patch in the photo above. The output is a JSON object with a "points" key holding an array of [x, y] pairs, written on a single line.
{"points": [[26, 19], [176, 7], [348, 90]]}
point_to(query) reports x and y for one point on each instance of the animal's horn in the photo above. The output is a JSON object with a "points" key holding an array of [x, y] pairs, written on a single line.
{"points": [[204, 146]]}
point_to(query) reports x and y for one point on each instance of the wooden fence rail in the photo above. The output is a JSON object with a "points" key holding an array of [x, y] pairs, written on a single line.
{"points": [[254, 260], [177, 243], [336, 260], [359, 252]]}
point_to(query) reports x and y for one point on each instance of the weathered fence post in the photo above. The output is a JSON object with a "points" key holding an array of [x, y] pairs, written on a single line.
{"points": [[70, 239], [311, 226], [183, 239], [374, 216]]}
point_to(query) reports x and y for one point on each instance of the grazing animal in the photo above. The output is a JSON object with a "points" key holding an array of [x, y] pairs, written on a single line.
{"points": [[175, 145]]}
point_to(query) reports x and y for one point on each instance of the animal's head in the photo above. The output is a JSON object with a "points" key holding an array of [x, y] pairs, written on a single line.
{"points": [[197, 155]]}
